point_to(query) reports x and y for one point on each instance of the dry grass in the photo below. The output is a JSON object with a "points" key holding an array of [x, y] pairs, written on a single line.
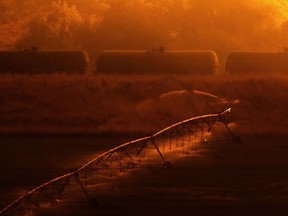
{"points": [[220, 180], [64, 103]]}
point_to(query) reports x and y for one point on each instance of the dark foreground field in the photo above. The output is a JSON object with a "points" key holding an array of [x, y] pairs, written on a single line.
{"points": [[51, 124], [217, 179]]}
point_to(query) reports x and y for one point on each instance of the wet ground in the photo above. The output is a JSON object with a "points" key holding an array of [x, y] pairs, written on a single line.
{"points": [[28, 161], [219, 178]]}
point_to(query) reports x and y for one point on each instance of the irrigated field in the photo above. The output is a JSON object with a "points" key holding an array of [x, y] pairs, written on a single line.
{"points": [[52, 123], [102, 104]]}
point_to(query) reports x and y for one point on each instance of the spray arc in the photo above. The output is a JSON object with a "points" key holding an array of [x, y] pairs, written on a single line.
{"points": [[125, 157]]}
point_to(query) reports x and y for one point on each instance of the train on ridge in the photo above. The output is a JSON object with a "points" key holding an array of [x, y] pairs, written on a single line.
{"points": [[197, 62], [35, 61], [152, 62], [257, 62]]}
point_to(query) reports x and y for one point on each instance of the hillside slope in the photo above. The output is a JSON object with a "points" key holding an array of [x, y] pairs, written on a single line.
{"points": [[98, 104]]}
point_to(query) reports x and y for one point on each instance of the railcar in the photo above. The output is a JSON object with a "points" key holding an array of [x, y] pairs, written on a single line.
{"points": [[201, 62], [34, 61], [257, 62]]}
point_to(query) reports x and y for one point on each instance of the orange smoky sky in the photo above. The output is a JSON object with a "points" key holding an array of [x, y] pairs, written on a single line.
{"points": [[94, 25]]}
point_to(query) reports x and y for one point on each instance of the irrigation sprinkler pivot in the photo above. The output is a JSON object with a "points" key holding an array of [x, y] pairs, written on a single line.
{"points": [[223, 105], [180, 137], [226, 103]]}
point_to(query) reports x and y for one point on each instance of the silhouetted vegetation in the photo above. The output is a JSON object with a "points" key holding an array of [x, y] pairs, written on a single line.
{"points": [[94, 25]]}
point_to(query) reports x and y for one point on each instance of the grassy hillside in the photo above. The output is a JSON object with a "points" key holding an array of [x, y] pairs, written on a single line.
{"points": [[102, 104]]}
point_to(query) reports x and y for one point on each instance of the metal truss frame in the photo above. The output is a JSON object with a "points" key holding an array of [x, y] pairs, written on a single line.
{"points": [[123, 157]]}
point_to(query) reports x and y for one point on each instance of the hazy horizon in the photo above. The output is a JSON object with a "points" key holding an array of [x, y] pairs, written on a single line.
{"points": [[94, 25]]}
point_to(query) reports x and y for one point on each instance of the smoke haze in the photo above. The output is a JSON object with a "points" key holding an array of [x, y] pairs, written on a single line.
{"points": [[93, 25]]}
